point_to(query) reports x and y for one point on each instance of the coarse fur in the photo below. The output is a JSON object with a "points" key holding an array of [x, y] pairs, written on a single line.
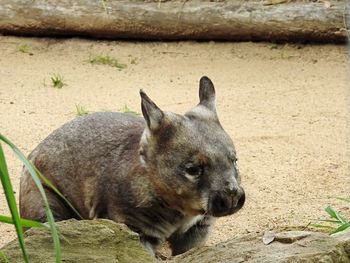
{"points": [[166, 176]]}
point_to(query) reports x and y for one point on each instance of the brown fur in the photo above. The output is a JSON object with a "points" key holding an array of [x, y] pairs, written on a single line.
{"points": [[166, 176]]}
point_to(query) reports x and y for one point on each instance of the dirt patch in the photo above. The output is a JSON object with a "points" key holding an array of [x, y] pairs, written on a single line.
{"points": [[284, 106]]}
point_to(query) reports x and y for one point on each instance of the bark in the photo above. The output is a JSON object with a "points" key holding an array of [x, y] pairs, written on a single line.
{"points": [[177, 20]]}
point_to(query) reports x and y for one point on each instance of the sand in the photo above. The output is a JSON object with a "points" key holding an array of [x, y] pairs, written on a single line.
{"points": [[284, 106]]}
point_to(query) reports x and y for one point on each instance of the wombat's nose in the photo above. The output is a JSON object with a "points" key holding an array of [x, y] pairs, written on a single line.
{"points": [[223, 204], [240, 202], [220, 205]]}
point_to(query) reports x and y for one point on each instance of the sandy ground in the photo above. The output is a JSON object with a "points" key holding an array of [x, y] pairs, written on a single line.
{"points": [[284, 106]]}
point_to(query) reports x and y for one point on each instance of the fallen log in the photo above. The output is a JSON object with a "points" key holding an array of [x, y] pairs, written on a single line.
{"points": [[177, 20]]}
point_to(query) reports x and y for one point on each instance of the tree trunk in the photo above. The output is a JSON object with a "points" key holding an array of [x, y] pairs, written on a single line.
{"points": [[177, 20]]}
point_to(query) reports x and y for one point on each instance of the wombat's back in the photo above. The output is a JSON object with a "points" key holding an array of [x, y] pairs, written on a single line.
{"points": [[74, 156]]}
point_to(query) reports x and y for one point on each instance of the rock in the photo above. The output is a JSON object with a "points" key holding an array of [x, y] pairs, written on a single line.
{"points": [[287, 247], [344, 237], [82, 241], [107, 241]]}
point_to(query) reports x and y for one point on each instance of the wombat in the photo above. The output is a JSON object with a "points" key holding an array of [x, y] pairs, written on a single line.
{"points": [[166, 176]]}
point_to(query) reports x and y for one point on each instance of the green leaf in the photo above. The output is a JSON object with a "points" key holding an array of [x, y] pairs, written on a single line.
{"points": [[334, 214], [24, 222], [342, 227], [32, 170], [331, 212], [11, 202]]}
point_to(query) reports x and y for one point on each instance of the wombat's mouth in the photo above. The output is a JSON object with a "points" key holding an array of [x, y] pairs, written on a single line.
{"points": [[222, 204], [202, 212]]}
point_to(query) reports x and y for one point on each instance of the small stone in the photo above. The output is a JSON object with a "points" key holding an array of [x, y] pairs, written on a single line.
{"points": [[268, 237]]}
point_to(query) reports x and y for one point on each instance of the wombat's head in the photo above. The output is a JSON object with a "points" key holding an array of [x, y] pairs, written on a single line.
{"points": [[191, 159]]}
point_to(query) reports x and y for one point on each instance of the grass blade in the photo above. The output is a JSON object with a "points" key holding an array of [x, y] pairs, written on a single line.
{"points": [[30, 167], [334, 214], [10, 197], [331, 212], [81, 111], [129, 111], [24, 222], [107, 60], [343, 199], [53, 188], [342, 227], [327, 220], [321, 226]]}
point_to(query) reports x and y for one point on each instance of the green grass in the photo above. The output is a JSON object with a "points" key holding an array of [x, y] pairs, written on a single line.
{"points": [[106, 60], [57, 81], [336, 222], [80, 110], [3, 257], [11, 202], [126, 109], [273, 46], [24, 222], [25, 48]]}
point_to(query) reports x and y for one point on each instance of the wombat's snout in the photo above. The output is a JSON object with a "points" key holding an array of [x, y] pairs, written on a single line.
{"points": [[226, 203]]}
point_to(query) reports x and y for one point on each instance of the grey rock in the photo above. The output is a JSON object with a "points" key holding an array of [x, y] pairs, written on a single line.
{"points": [[107, 241], [344, 237], [287, 247], [81, 241]]}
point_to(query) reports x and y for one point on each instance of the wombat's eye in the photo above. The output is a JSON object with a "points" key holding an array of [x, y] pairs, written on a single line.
{"points": [[194, 170], [234, 159]]}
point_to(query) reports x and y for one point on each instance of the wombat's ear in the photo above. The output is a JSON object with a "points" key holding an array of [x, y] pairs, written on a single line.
{"points": [[207, 93], [152, 114]]}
